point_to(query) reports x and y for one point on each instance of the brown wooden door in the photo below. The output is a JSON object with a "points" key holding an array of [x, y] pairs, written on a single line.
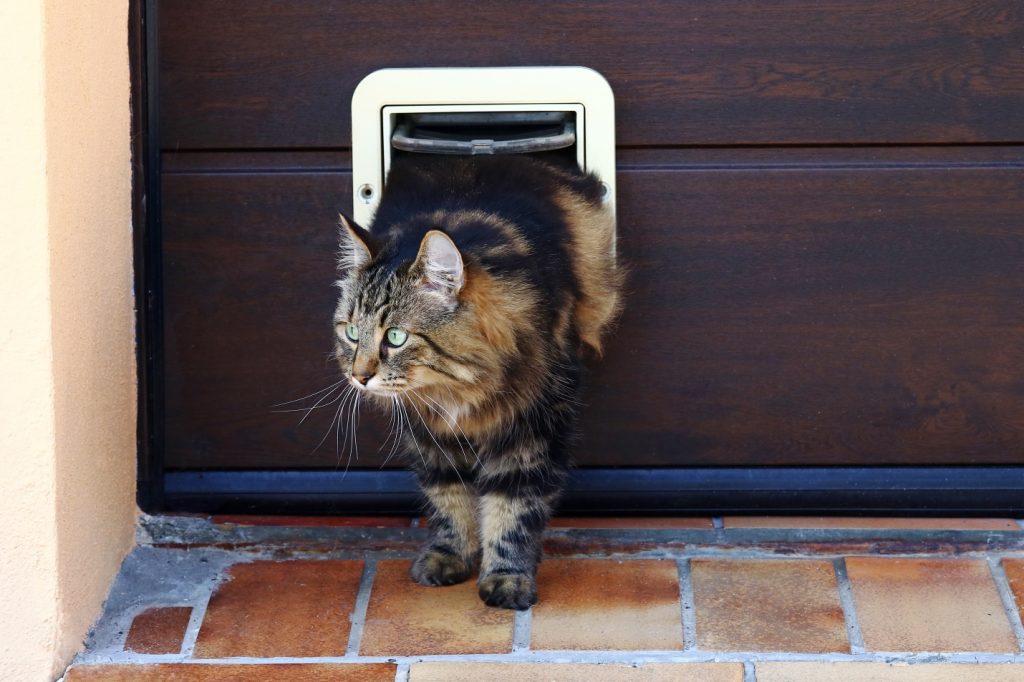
{"points": [[822, 204]]}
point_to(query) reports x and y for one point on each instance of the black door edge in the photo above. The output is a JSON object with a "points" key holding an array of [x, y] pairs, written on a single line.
{"points": [[880, 491]]}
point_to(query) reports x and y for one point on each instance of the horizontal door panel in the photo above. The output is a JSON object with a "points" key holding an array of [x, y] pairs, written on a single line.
{"points": [[248, 74], [248, 269], [782, 315]]}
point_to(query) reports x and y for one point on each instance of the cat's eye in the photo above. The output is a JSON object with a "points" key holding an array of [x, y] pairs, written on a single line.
{"points": [[352, 332], [396, 337]]}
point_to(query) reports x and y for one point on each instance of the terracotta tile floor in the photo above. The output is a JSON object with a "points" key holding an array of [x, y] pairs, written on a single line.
{"points": [[595, 604], [416, 622], [739, 599], [768, 605], [281, 608]]}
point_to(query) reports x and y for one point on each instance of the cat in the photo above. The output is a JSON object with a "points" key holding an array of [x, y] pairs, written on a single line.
{"points": [[467, 307]]}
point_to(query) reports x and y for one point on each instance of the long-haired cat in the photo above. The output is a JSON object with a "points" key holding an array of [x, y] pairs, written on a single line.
{"points": [[466, 307]]}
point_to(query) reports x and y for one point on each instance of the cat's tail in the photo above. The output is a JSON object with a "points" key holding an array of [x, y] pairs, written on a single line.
{"points": [[599, 275]]}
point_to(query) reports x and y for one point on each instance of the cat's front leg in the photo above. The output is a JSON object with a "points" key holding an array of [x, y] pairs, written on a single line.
{"points": [[514, 508], [452, 553]]}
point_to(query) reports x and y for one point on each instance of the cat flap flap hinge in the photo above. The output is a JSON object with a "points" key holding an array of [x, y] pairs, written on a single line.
{"points": [[476, 133]]}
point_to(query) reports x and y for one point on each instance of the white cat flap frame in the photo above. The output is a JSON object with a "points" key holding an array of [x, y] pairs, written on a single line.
{"points": [[382, 94]]}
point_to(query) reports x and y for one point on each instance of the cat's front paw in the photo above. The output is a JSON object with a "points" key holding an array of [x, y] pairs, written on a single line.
{"points": [[508, 590], [440, 568]]}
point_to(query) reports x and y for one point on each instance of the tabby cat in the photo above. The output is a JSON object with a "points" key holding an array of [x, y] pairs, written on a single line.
{"points": [[466, 309]]}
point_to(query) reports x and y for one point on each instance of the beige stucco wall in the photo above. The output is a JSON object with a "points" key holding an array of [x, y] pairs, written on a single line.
{"points": [[27, 458], [67, 368]]}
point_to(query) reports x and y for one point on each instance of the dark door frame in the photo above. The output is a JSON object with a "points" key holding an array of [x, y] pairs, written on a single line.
{"points": [[146, 242], [935, 491]]}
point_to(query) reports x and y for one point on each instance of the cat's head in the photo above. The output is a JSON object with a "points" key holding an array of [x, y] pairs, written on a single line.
{"points": [[402, 322]]}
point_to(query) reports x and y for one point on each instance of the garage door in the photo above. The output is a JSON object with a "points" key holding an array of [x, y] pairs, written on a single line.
{"points": [[821, 203]]}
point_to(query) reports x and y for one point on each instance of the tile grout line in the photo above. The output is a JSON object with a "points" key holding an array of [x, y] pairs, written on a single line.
{"points": [[403, 672], [355, 635], [995, 566], [195, 620], [522, 629], [630, 657], [748, 672], [853, 633], [688, 609]]}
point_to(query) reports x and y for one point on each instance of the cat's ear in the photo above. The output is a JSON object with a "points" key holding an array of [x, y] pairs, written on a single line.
{"points": [[440, 264], [357, 245]]}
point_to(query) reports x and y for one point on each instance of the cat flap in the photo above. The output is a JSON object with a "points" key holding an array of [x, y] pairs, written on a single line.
{"points": [[566, 114]]}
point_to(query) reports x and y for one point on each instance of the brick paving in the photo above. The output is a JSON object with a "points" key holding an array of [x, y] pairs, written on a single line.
{"points": [[945, 605], [159, 630], [405, 620], [281, 608], [710, 600], [768, 605]]}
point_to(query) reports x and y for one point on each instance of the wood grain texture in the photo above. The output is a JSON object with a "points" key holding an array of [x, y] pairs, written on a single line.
{"points": [[834, 317], [261, 74], [776, 314], [249, 263]]}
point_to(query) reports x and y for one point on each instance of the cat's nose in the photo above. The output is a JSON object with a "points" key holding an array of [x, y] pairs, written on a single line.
{"points": [[362, 378]]}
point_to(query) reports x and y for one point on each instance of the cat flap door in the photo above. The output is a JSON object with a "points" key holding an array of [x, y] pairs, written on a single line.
{"points": [[476, 133], [564, 114]]}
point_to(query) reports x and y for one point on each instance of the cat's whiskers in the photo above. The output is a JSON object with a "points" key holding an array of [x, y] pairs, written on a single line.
{"points": [[328, 390], [354, 452], [394, 432], [412, 434], [465, 455], [391, 425], [337, 442], [350, 396], [400, 423], [330, 427], [450, 421], [430, 433], [320, 403]]}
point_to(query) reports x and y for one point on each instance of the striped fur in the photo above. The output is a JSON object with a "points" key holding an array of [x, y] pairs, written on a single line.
{"points": [[501, 270]]}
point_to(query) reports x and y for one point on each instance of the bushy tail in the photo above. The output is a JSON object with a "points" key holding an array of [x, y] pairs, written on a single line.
{"points": [[600, 276]]}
